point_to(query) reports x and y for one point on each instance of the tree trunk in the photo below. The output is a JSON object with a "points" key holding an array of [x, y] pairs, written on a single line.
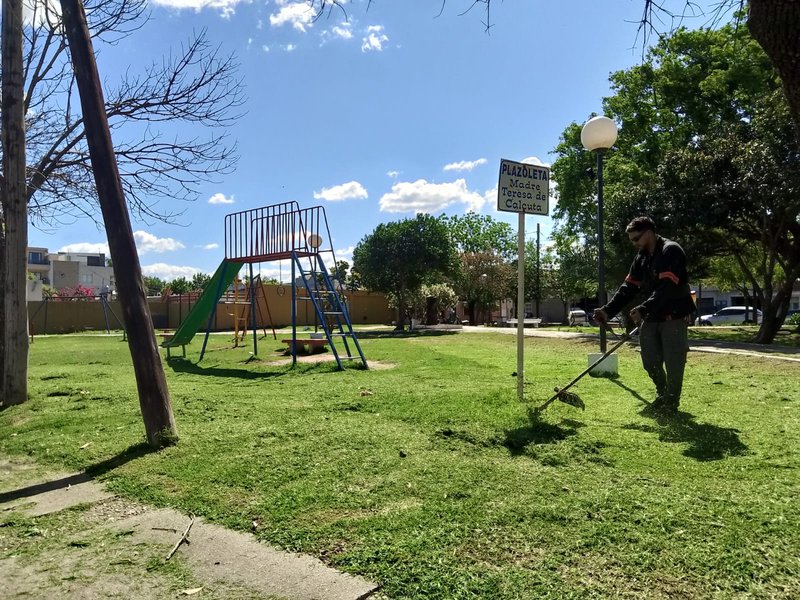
{"points": [[775, 24], [14, 260], [150, 379], [778, 305]]}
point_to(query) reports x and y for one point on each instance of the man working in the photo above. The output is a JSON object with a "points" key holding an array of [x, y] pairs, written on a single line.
{"points": [[659, 273]]}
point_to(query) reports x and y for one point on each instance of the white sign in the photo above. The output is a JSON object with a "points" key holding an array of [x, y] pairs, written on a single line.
{"points": [[523, 188]]}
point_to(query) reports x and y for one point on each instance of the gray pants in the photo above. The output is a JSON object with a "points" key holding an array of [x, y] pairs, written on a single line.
{"points": [[664, 346]]}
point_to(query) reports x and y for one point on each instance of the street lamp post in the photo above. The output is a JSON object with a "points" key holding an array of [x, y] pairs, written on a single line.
{"points": [[598, 135]]}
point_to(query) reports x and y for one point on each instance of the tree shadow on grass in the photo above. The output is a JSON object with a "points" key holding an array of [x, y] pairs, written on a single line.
{"points": [[414, 333], [182, 365], [538, 432], [91, 472]]}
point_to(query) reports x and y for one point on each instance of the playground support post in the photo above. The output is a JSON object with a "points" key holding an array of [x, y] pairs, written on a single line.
{"points": [[151, 381], [294, 312], [253, 311]]}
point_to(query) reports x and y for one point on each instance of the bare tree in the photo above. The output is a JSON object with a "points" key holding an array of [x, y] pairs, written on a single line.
{"points": [[194, 85]]}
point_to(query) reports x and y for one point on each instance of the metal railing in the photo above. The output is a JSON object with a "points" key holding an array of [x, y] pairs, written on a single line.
{"points": [[275, 232]]}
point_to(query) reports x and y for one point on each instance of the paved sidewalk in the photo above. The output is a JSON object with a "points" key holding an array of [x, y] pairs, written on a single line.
{"points": [[217, 556]]}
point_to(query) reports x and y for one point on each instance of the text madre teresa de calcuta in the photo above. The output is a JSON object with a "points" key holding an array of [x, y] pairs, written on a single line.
{"points": [[523, 188]]}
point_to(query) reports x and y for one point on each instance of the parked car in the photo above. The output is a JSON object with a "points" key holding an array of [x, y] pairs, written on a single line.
{"points": [[577, 316], [731, 315]]}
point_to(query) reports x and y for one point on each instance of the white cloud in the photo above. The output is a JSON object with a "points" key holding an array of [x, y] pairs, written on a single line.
{"points": [[227, 8], [393, 174], [86, 248], [265, 48], [345, 191], [39, 12], [220, 198], [465, 165], [169, 272], [147, 242], [290, 47], [343, 31], [345, 254], [212, 246], [534, 160], [423, 197], [297, 14], [374, 40]]}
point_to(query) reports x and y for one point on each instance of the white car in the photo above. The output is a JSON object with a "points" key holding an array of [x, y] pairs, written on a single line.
{"points": [[731, 315], [578, 316]]}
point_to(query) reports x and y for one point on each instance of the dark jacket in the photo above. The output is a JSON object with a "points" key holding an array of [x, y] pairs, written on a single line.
{"points": [[662, 279]]}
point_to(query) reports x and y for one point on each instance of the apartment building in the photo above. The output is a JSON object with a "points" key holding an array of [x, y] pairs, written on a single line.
{"points": [[69, 269]]}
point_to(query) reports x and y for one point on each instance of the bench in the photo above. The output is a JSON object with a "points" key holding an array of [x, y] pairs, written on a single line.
{"points": [[525, 322], [308, 345]]}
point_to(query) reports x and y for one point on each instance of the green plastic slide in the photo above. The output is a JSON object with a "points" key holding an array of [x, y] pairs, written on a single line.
{"points": [[207, 303]]}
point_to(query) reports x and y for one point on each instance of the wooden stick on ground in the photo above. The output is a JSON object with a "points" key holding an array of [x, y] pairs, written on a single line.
{"points": [[184, 538]]}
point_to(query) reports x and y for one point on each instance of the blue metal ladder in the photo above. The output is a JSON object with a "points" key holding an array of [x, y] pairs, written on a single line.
{"points": [[331, 310]]}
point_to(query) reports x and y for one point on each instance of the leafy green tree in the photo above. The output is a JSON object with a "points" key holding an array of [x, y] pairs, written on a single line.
{"points": [[430, 303], [154, 285], [707, 148], [200, 281], [353, 281], [339, 271], [472, 232], [569, 272], [399, 257], [179, 285], [482, 281]]}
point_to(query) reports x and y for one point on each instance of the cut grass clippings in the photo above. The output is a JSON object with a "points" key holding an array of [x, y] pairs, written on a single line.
{"points": [[431, 478]]}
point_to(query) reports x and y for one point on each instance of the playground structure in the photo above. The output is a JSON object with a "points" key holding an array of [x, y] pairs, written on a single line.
{"points": [[279, 232]]}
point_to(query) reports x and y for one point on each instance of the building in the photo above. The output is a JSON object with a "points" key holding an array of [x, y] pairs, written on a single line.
{"points": [[64, 270]]}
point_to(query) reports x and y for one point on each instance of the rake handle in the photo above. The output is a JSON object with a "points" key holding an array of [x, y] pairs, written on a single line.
{"points": [[608, 353]]}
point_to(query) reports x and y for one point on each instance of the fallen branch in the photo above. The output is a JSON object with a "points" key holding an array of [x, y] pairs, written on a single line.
{"points": [[184, 538]]}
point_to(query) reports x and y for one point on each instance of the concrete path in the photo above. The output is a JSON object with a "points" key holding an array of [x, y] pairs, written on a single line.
{"points": [[775, 352], [216, 556]]}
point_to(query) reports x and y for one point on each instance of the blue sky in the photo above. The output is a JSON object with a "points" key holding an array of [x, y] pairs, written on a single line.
{"points": [[393, 111]]}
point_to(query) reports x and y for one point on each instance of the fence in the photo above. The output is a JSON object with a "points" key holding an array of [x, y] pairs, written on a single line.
{"points": [[168, 313]]}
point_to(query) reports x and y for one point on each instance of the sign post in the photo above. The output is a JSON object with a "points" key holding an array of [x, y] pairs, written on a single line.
{"points": [[523, 189]]}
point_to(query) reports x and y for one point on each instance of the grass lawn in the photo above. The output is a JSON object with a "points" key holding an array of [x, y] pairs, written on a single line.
{"points": [[430, 477]]}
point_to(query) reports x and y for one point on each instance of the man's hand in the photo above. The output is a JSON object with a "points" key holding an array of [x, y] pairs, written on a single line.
{"points": [[636, 316], [600, 316]]}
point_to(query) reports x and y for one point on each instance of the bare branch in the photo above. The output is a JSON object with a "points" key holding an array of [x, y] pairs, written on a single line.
{"points": [[195, 84]]}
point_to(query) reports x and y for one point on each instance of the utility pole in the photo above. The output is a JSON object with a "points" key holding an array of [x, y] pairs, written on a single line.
{"points": [[13, 216], [538, 267], [151, 381]]}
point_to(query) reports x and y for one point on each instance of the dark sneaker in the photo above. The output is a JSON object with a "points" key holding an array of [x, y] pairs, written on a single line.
{"points": [[656, 405], [668, 409]]}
